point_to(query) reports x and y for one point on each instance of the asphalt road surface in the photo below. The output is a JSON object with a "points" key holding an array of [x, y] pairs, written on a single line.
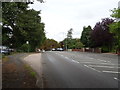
{"points": [[79, 70]]}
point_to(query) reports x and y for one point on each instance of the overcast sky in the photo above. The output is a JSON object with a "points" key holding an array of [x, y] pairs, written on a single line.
{"points": [[61, 15]]}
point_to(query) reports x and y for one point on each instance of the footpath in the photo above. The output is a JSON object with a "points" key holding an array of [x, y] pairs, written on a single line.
{"points": [[16, 74], [34, 61]]}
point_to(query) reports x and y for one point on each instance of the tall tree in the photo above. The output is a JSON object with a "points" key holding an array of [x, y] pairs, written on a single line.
{"points": [[10, 12], [21, 24], [115, 28], [69, 34], [85, 37], [72, 43], [101, 35]]}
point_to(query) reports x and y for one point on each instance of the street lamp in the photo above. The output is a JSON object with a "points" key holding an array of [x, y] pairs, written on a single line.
{"points": [[27, 42]]}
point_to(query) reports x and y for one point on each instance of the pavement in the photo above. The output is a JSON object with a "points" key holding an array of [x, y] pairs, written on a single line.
{"points": [[34, 60]]}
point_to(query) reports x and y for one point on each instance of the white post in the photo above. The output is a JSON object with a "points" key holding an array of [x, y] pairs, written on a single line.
{"points": [[27, 42]]}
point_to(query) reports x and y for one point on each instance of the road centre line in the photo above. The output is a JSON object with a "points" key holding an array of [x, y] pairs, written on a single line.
{"points": [[92, 68], [103, 66], [110, 72]]}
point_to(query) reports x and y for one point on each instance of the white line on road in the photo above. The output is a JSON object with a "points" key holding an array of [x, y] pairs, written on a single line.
{"points": [[99, 63], [103, 60], [100, 60], [116, 78], [66, 57], [103, 66], [110, 72], [92, 68], [75, 61], [62, 55], [91, 58]]}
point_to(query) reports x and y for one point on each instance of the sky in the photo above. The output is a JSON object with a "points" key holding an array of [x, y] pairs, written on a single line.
{"points": [[61, 15]]}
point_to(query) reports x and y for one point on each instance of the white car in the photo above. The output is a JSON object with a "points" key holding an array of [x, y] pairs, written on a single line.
{"points": [[43, 51]]}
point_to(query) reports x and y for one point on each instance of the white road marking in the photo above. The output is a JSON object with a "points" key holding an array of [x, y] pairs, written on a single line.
{"points": [[103, 60], [116, 78], [66, 57], [92, 68], [91, 58], [103, 66], [100, 60], [75, 61], [61, 55], [110, 72], [99, 63]]}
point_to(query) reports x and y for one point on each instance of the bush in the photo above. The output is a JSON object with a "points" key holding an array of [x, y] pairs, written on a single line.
{"points": [[24, 48], [105, 49]]}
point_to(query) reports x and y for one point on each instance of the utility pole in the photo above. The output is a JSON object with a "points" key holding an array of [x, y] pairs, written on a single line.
{"points": [[66, 44]]}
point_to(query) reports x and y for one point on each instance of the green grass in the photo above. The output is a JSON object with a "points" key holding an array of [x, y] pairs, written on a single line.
{"points": [[32, 73]]}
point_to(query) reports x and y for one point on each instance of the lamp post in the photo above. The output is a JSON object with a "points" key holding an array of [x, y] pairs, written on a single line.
{"points": [[27, 42]]}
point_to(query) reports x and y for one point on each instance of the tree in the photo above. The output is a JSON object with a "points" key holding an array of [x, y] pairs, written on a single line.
{"points": [[10, 12], [115, 28], [78, 45], [72, 43], [49, 44], [31, 28], [28, 1], [85, 37], [21, 24], [69, 34], [101, 35]]}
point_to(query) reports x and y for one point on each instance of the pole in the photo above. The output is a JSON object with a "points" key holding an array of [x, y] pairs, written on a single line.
{"points": [[66, 44], [27, 42]]}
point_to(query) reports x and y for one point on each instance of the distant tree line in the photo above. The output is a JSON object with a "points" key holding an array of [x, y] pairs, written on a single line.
{"points": [[49, 44]]}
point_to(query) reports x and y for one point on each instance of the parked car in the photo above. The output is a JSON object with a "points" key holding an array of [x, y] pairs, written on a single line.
{"points": [[53, 49], [4, 50], [59, 49], [43, 51]]}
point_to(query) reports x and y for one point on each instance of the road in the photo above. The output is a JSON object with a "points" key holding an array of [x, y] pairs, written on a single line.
{"points": [[79, 70]]}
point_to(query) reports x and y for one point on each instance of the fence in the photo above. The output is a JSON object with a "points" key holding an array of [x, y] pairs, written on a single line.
{"points": [[95, 50]]}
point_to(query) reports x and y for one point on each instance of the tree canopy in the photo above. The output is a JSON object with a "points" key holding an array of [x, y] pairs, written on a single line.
{"points": [[115, 27], [69, 34], [101, 35], [21, 24], [73, 43], [85, 36], [49, 44]]}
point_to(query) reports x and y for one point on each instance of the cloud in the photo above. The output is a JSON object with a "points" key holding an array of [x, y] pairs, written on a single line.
{"points": [[61, 15]]}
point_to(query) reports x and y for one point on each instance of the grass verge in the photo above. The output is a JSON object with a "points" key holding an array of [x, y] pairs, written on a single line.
{"points": [[30, 70]]}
